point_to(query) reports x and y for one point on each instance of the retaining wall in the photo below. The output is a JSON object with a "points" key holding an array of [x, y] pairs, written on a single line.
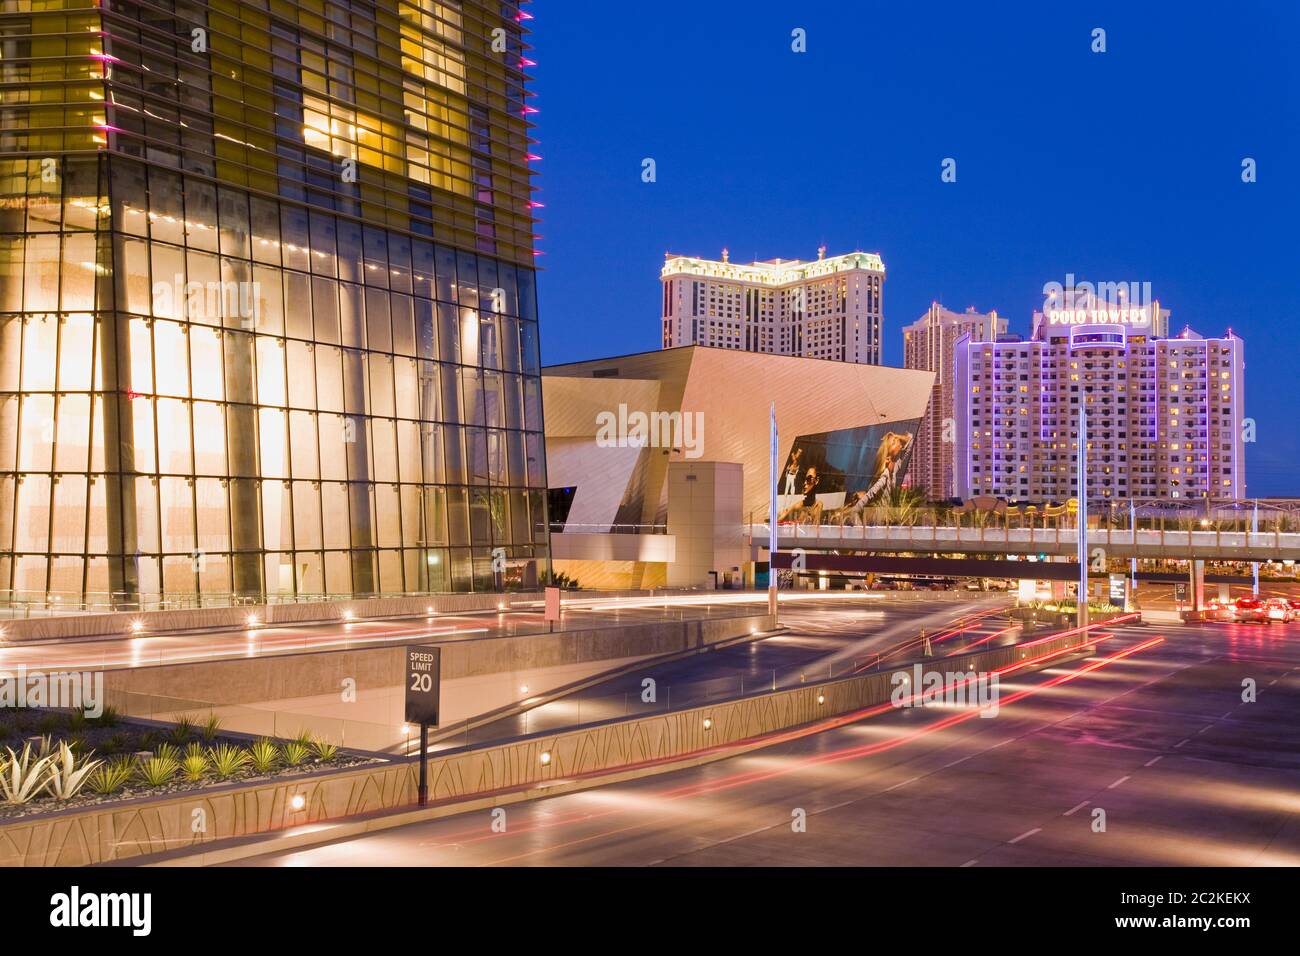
{"points": [[270, 678]]}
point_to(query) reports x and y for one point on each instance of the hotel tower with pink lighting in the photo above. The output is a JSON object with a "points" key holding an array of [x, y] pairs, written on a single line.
{"points": [[1164, 412]]}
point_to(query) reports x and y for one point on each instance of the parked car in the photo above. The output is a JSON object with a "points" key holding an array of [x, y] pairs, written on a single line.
{"points": [[1294, 603], [1278, 611], [1248, 610]]}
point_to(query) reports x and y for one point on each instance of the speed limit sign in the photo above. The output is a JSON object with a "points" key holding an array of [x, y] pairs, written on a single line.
{"points": [[423, 672]]}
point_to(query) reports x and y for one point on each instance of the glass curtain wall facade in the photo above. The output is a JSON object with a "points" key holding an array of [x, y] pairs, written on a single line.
{"points": [[268, 321]]}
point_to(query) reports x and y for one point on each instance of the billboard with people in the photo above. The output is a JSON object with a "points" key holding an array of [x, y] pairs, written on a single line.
{"points": [[836, 476]]}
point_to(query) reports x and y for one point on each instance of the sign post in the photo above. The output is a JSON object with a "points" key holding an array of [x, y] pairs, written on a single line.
{"points": [[551, 612], [771, 530], [1254, 565], [1119, 593], [423, 693], [1133, 561]]}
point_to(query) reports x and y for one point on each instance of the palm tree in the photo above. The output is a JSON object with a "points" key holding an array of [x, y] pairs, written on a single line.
{"points": [[903, 506]]}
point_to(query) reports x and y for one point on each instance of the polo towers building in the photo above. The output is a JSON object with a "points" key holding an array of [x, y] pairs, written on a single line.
{"points": [[1164, 413]]}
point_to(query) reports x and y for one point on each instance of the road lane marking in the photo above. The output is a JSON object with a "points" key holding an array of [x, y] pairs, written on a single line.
{"points": [[1153, 760], [960, 760], [1026, 835], [1118, 782], [969, 863], [1181, 742], [1074, 810], [903, 784]]}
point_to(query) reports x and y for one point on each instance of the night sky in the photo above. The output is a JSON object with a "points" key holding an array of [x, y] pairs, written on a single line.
{"points": [[1117, 166]]}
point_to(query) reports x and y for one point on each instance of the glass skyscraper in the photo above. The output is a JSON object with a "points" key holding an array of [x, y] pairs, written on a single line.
{"points": [[268, 321]]}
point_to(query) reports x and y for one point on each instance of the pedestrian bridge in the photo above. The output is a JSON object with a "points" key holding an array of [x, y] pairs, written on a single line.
{"points": [[1142, 543]]}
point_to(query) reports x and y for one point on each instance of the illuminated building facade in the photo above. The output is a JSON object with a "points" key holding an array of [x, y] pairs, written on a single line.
{"points": [[1164, 414], [268, 320], [827, 309], [712, 407], [929, 344]]}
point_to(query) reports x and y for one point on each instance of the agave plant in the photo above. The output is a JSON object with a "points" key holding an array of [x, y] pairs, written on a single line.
{"points": [[262, 754], [68, 774], [227, 760], [108, 716], [296, 753], [158, 770], [210, 728], [23, 775], [194, 766], [51, 723], [183, 729], [112, 776], [325, 750], [169, 752]]}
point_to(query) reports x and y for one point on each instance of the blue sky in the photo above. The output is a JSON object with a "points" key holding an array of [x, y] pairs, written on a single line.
{"points": [[1115, 166]]}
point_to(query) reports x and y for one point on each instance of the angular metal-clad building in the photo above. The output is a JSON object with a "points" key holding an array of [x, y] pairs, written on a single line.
{"points": [[614, 426], [268, 321]]}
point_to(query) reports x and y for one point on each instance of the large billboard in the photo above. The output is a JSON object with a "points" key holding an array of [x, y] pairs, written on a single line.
{"points": [[837, 475]]}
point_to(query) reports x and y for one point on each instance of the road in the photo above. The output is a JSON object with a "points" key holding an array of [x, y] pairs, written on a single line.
{"points": [[1151, 729], [823, 639]]}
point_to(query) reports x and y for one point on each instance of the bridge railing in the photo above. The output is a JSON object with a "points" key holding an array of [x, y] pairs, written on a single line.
{"points": [[1240, 539], [1256, 516]]}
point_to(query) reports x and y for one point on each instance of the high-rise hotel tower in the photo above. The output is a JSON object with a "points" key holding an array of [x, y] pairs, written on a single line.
{"points": [[827, 308], [930, 343], [267, 313], [1164, 413]]}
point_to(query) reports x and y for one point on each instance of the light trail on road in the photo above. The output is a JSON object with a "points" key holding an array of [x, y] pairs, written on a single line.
{"points": [[848, 753]]}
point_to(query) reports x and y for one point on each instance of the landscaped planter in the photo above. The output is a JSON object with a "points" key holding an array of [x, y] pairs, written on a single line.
{"points": [[129, 760]]}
